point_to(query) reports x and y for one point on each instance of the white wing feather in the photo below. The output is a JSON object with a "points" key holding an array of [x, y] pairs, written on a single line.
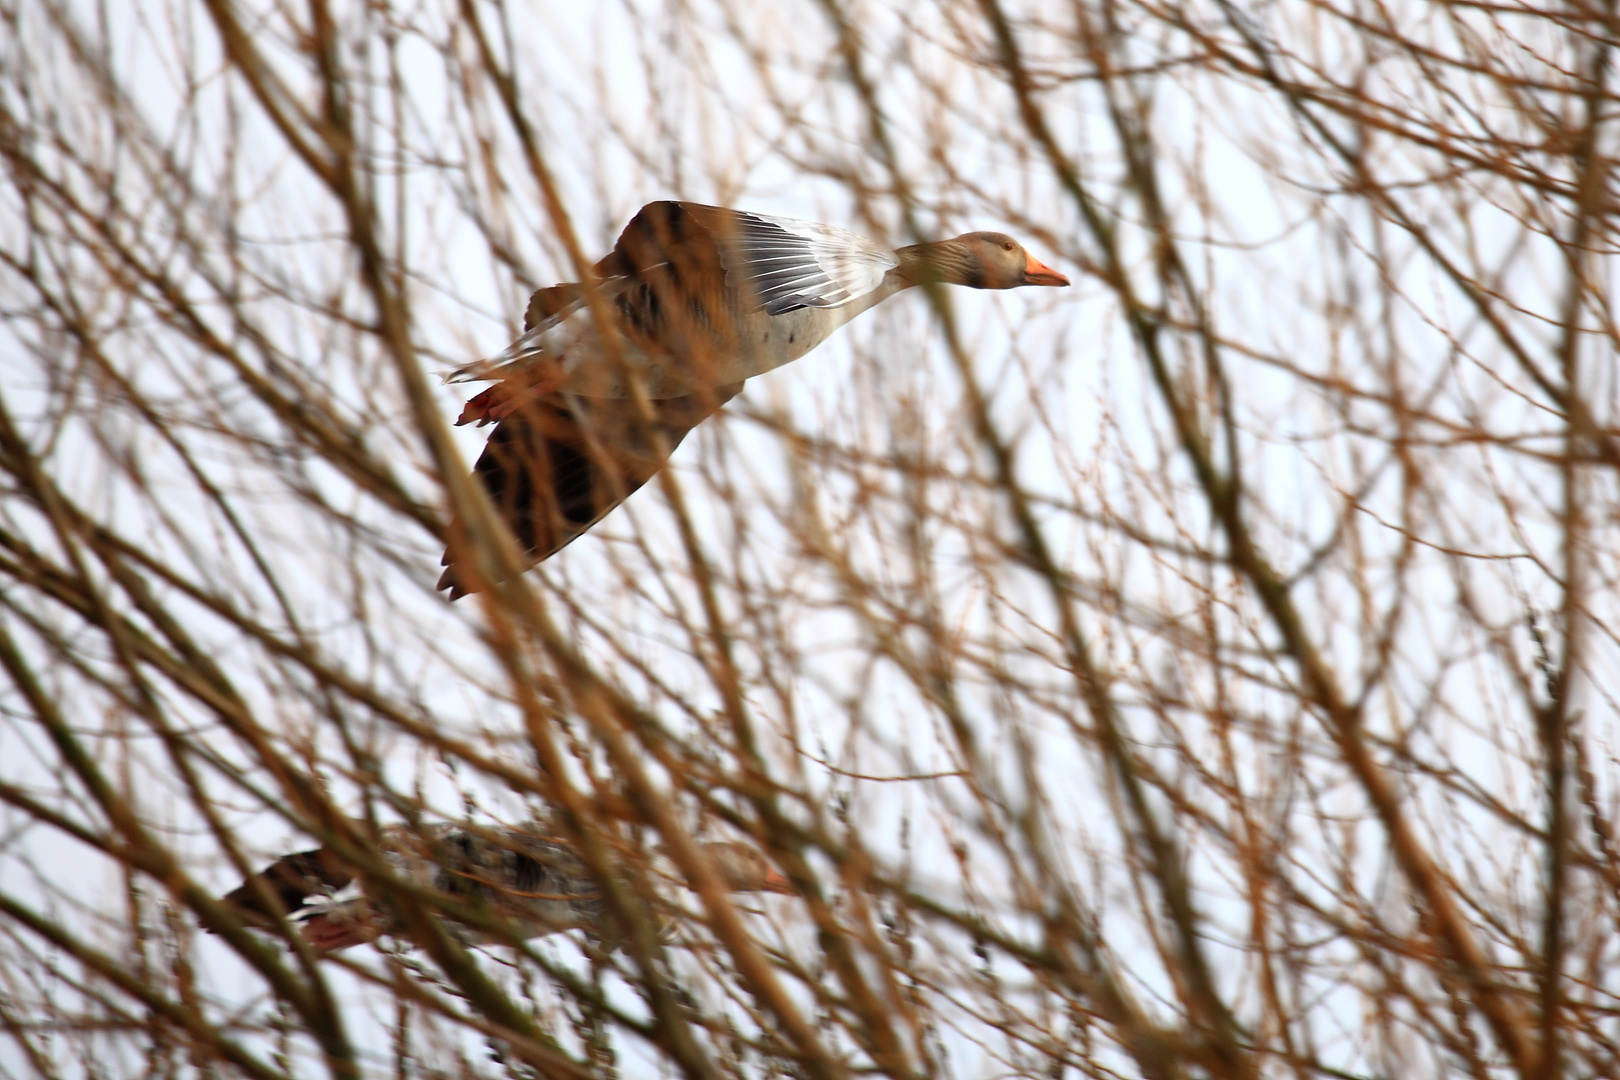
{"points": [[789, 263]]}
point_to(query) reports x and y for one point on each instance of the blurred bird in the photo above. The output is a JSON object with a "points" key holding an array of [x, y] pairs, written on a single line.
{"points": [[530, 882], [700, 299]]}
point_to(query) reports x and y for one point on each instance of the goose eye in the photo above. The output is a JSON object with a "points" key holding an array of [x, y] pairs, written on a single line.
{"points": [[1007, 246]]}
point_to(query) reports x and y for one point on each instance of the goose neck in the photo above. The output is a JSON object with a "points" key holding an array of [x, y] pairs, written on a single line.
{"points": [[945, 261]]}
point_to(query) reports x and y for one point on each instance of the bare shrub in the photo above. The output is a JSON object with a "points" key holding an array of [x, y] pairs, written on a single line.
{"points": [[1195, 673]]}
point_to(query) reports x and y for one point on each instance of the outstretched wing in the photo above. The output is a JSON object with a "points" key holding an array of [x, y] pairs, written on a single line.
{"points": [[557, 464], [785, 264]]}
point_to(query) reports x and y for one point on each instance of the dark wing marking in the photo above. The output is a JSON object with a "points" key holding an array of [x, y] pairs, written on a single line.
{"points": [[560, 463], [673, 293]]}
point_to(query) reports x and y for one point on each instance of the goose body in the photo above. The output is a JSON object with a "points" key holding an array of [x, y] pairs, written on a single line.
{"points": [[528, 881], [701, 299]]}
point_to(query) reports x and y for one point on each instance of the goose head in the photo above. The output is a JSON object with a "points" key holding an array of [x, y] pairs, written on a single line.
{"points": [[979, 260], [744, 869]]}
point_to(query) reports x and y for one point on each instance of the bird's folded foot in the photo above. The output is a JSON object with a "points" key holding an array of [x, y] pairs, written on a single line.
{"points": [[502, 400], [329, 932]]}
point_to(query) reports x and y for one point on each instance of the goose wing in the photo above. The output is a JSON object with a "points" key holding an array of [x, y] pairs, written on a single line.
{"points": [[291, 881], [559, 463], [784, 263]]}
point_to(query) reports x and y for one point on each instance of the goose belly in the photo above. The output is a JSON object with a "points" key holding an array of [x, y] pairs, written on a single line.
{"points": [[756, 344], [769, 341]]}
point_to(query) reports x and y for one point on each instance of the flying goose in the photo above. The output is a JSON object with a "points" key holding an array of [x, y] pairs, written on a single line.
{"points": [[528, 879], [701, 299]]}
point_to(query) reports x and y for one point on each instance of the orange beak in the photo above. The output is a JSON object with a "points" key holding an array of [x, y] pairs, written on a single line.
{"points": [[1038, 273], [776, 881]]}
